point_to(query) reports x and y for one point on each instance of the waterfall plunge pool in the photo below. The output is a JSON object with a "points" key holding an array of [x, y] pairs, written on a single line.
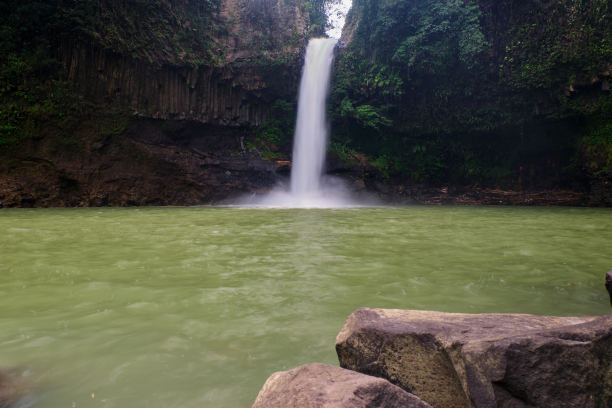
{"points": [[195, 307]]}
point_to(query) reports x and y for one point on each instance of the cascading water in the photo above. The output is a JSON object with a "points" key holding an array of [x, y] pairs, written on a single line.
{"points": [[310, 140], [309, 187]]}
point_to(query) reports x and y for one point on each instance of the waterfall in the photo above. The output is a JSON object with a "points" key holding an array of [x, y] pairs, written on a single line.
{"points": [[309, 188], [310, 141]]}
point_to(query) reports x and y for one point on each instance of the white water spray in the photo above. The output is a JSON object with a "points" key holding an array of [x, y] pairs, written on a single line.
{"points": [[310, 140]]}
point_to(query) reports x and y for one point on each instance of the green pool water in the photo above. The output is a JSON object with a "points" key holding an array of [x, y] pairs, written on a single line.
{"points": [[195, 307]]}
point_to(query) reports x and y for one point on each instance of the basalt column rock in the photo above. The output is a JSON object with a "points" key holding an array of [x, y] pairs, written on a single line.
{"points": [[318, 385], [255, 60], [489, 360]]}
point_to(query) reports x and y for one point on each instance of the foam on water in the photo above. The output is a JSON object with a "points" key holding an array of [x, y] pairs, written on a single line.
{"points": [[332, 193]]}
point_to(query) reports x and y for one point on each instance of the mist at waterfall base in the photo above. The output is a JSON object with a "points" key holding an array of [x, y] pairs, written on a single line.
{"points": [[309, 188]]}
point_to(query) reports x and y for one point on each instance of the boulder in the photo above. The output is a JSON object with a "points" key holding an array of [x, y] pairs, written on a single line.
{"points": [[487, 360], [10, 390], [5, 390], [609, 284], [323, 386]]}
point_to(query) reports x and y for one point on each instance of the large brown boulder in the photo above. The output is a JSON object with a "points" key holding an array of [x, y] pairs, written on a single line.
{"points": [[323, 386], [488, 360]]}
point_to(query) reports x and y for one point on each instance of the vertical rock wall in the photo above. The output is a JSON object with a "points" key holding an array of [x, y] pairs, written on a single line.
{"points": [[259, 61]]}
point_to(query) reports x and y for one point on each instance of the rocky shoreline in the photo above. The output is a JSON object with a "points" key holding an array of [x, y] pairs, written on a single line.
{"points": [[408, 358], [182, 163], [163, 175]]}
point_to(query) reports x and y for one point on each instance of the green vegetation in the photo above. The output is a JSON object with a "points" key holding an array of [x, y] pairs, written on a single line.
{"points": [[153, 31], [452, 91], [566, 45], [275, 135], [31, 89], [318, 17], [148, 30], [35, 98], [596, 145], [270, 38], [399, 84], [279, 128], [470, 91]]}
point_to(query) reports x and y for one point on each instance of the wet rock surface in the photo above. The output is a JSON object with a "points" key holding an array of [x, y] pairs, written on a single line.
{"points": [[488, 360], [12, 391], [157, 162], [609, 284], [318, 385], [153, 163], [5, 390]]}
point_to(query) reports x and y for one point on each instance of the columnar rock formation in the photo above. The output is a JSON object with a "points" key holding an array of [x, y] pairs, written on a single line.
{"points": [[258, 58]]}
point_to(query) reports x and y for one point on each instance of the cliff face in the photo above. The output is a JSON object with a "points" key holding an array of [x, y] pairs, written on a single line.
{"points": [[118, 102], [510, 94], [108, 102], [229, 95], [253, 58]]}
